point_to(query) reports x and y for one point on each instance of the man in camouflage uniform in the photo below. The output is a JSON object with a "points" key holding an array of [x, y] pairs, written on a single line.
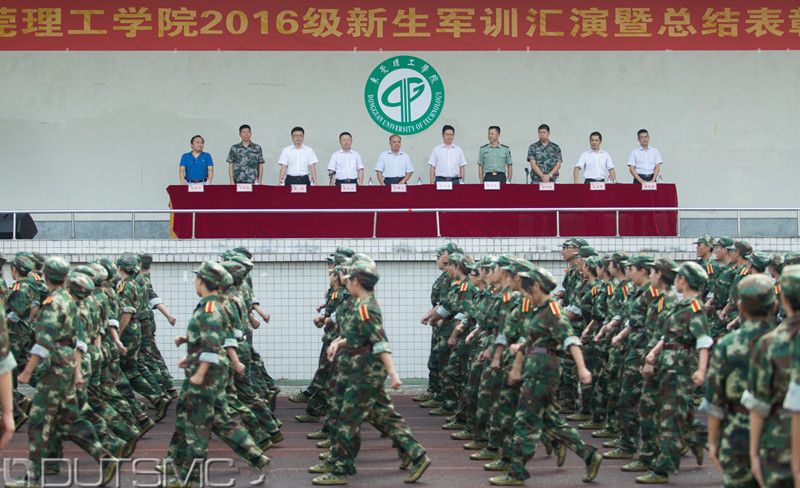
{"points": [[544, 157], [740, 254], [704, 247], [768, 383], [7, 366], [364, 361], [22, 301], [790, 302], [572, 282], [55, 412], [728, 373], [202, 405], [245, 160], [546, 330], [719, 295]]}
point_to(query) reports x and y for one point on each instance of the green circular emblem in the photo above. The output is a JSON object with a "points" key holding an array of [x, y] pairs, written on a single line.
{"points": [[404, 95]]}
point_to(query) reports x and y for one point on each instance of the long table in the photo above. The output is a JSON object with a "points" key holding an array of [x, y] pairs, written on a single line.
{"points": [[417, 217]]}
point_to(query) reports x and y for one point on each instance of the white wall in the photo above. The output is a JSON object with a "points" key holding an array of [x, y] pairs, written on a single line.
{"points": [[94, 130]]}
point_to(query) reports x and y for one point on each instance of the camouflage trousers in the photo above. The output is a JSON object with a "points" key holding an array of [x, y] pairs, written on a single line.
{"points": [[441, 354], [469, 396], [568, 389], [139, 378], [501, 427], [55, 415], [317, 400], [734, 451], [616, 355], [775, 457], [649, 405], [433, 364], [630, 393], [19, 342], [152, 358], [593, 357], [201, 411], [453, 375], [488, 393], [248, 395], [537, 414], [676, 414], [365, 399], [600, 376], [113, 382]]}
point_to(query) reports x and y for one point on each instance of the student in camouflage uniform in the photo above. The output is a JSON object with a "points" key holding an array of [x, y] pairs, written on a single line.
{"points": [[55, 411], [7, 366], [546, 331], [704, 247], [740, 255], [789, 285], [573, 280], [364, 361], [770, 424], [728, 373], [202, 405], [21, 302], [720, 293]]}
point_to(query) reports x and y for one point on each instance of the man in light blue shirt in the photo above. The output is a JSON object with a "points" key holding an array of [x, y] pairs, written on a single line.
{"points": [[394, 166]]}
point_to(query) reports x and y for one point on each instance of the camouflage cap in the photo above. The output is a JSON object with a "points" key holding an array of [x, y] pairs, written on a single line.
{"points": [[524, 268], [84, 269], [101, 274], [776, 262], [146, 260], [666, 267], [545, 279], [580, 241], [449, 248], [641, 261], [56, 269], [128, 263], [791, 258], [243, 251], [694, 274], [595, 262], [743, 248], [345, 251], [360, 257], [236, 270], [724, 242], [108, 264], [23, 264], [488, 262], [26, 254], [455, 258], [756, 291], [570, 243], [38, 259], [364, 270], [790, 282], [759, 261], [586, 251], [503, 261], [618, 258], [704, 239], [214, 274], [226, 255], [79, 284], [244, 261]]}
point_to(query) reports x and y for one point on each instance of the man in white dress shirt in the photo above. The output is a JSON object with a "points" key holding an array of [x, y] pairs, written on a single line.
{"points": [[394, 166], [298, 162], [595, 163], [645, 161], [346, 165], [447, 160]]}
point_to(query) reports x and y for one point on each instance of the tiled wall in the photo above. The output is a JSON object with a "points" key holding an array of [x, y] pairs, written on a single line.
{"points": [[290, 279]]}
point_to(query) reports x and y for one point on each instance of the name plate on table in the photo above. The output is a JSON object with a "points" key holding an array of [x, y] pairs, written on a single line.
{"points": [[491, 185], [397, 188], [348, 188], [196, 188], [650, 186], [244, 187], [299, 189], [444, 185], [547, 186], [597, 185]]}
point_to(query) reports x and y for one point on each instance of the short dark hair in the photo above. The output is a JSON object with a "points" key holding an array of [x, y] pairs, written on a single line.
{"points": [[191, 141], [641, 132], [595, 133], [447, 128], [345, 134], [395, 135], [243, 127], [297, 129], [527, 284], [209, 286], [545, 127], [495, 127]]}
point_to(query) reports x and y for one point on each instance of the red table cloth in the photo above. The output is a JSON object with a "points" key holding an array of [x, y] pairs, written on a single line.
{"points": [[420, 224]]}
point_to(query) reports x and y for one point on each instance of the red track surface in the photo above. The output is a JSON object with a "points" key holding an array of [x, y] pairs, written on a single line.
{"points": [[377, 462]]}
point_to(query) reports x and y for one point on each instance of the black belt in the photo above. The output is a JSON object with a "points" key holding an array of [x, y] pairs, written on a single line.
{"points": [[644, 177], [297, 180], [454, 179], [594, 180], [66, 343], [677, 347], [348, 181], [358, 350], [495, 173], [392, 180], [738, 408], [196, 181]]}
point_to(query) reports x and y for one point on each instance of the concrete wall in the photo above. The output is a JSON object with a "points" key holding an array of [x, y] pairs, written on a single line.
{"points": [[93, 130]]}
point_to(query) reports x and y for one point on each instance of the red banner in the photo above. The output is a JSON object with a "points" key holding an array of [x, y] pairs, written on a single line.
{"points": [[413, 25]]}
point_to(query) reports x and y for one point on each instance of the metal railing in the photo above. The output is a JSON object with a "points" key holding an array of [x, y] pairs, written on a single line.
{"points": [[438, 211]]}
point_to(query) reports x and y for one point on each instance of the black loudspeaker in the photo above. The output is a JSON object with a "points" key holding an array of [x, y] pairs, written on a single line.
{"points": [[26, 228]]}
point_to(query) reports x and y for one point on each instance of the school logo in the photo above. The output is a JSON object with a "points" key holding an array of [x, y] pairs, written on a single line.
{"points": [[404, 95]]}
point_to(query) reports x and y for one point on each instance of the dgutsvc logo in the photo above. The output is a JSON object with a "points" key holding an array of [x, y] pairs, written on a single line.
{"points": [[404, 95]]}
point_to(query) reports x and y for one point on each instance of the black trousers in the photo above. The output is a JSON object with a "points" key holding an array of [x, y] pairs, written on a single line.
{"points": [[346, 182], [644, 177], [454, 179], [495, 176], [392, 180], [297, 180]]}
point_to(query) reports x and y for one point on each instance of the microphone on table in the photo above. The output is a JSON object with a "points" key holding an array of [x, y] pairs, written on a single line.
{"points": [[527, 175]]}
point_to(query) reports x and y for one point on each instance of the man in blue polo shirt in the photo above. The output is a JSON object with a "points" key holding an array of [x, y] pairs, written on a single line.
{"points": [[196, 165]]}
